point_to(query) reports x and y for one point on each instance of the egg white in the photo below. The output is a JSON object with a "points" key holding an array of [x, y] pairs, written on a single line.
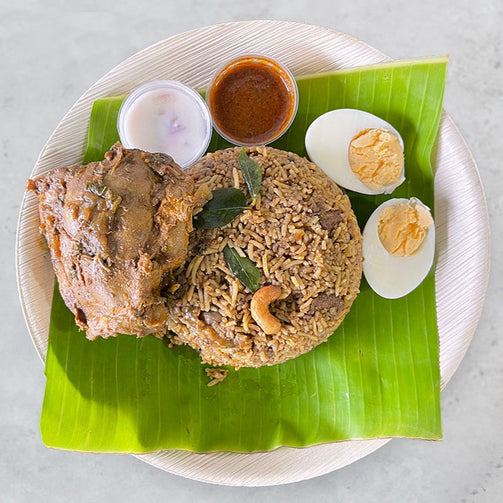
{"points": [[327, 141], [391, 276]]}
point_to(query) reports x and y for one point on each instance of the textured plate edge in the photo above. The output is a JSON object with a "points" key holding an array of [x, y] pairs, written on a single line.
{"points": [[448, 125]]}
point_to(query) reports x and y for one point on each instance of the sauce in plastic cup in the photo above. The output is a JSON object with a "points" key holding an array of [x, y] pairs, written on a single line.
{"points": [[253, 100]]}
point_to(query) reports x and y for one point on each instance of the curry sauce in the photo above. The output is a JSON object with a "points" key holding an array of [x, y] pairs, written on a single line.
{"points": [[252, 100]]}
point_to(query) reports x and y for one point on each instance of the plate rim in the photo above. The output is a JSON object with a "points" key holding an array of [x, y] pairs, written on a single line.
{"points": [[447, 124]]}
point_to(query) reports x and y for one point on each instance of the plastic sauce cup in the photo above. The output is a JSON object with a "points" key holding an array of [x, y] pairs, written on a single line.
{"points": [[253, 100], [166, 116]]}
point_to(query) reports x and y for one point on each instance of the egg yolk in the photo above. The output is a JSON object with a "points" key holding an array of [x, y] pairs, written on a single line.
{"points": [[376, 157], [403, 227]]}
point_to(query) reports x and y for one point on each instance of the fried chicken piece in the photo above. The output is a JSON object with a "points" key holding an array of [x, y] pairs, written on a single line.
{"points": [[114, 229]]}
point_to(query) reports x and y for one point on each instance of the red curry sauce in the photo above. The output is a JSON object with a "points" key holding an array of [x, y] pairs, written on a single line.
{"points": [[252, 100]]}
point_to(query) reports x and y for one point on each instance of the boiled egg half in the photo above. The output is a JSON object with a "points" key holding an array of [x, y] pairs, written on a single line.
{"points": [[358, 150], [398, 247]]}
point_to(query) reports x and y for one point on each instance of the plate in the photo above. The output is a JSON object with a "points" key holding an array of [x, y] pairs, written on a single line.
{"points": [[462, 268]]}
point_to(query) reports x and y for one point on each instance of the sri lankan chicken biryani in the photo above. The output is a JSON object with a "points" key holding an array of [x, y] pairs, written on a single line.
{"points": [[267, 286]]}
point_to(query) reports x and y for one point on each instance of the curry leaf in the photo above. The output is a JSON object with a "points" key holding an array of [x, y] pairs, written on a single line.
{"points": [[226, 204], [105, 192], [243, 268], [251, 173], [99, 189]]}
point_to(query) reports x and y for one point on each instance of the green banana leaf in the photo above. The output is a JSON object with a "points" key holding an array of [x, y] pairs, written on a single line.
{"points": [[377, 376]]}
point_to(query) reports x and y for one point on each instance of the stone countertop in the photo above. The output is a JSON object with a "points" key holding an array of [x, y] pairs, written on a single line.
{"points": [[51, 53]]}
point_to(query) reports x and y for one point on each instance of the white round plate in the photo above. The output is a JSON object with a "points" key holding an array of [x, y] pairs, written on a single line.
{"points": [[460, 209]]}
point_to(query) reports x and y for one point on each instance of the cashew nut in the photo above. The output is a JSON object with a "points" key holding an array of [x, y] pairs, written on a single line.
{"points": [[260, 308]]}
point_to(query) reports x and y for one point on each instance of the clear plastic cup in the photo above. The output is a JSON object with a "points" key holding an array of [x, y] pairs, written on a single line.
{"points": [[166, 116], [267, 64]]}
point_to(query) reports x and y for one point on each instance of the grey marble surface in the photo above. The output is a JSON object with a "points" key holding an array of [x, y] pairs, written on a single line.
{"points": [[52, 51]]}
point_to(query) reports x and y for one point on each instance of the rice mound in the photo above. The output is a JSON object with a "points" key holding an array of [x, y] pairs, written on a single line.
{"points": [[302, 235]]}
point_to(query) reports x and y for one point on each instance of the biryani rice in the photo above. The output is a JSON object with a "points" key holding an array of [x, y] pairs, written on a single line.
{"points": [[302, 235]]}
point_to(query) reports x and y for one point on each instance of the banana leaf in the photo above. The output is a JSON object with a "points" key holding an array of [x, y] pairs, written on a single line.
{"points": [[377, 376]]}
